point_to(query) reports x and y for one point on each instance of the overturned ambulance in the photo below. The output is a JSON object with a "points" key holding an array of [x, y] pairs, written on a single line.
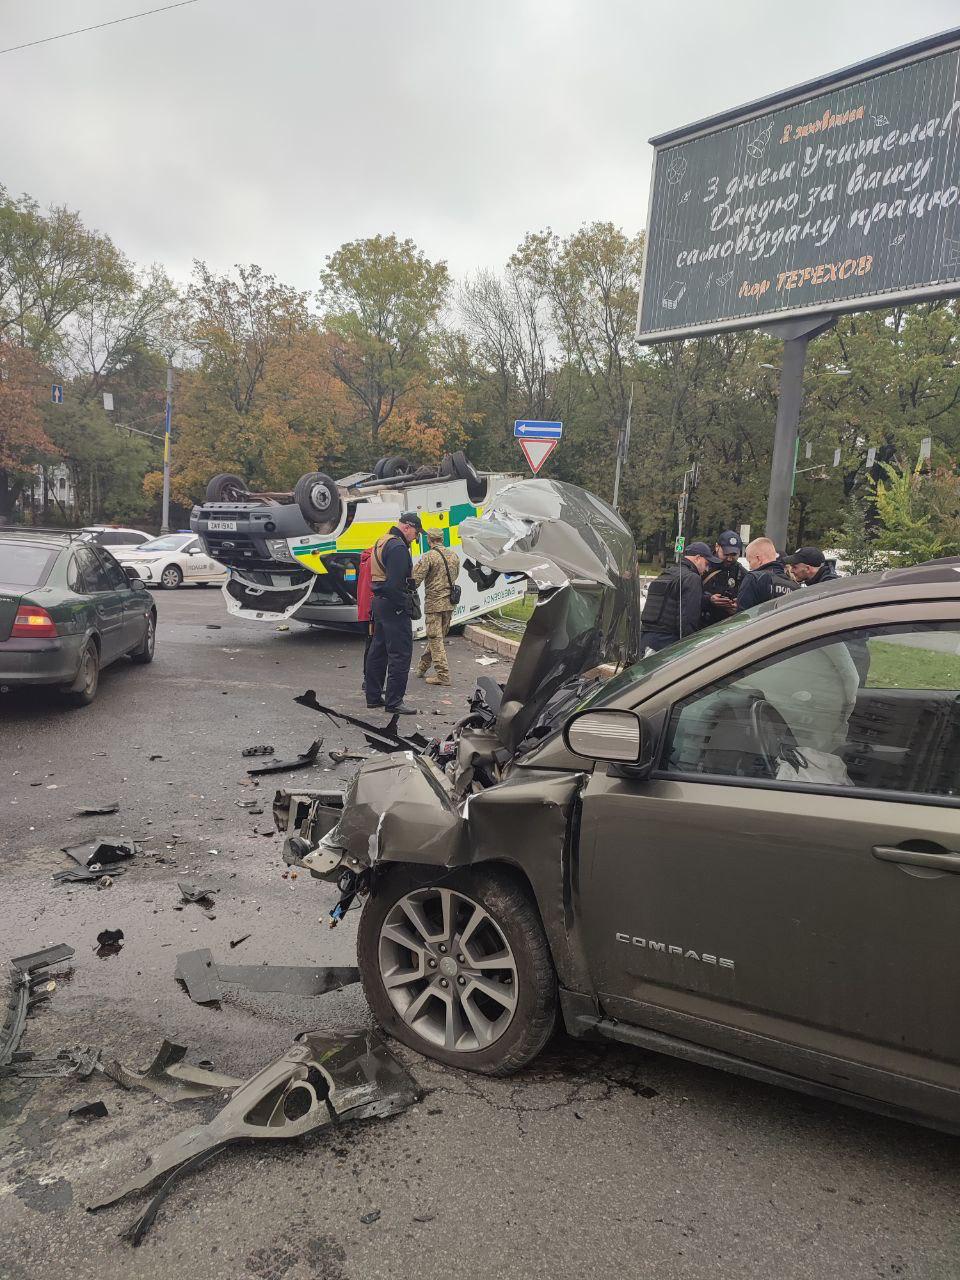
{"points": [[298, 554]]}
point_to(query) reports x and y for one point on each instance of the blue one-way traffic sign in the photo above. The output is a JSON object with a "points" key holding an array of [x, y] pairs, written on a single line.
{"points": [[528, 429]]}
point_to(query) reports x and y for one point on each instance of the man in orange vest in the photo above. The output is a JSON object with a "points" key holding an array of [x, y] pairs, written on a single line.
{"points": [[388, 661]]}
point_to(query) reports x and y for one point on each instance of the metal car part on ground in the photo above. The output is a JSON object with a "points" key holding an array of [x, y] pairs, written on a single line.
{"points": [[289, 561], [30, 984], [169, 1077], [202, 977], [323, 1078], [743, 851]]}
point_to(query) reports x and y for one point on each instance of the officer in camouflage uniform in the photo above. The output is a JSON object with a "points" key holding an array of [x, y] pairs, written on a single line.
{"points": [[438, 569]]}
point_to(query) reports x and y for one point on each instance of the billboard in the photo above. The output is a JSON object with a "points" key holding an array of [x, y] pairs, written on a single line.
{"points": [[838, 195]]}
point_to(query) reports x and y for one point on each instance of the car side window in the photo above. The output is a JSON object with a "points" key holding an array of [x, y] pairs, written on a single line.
{"points": [[876, 709], [93, 572], [117, 579], [74, 579]]}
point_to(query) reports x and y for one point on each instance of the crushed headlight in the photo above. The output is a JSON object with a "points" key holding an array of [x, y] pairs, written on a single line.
{"points": [[279, 550]]}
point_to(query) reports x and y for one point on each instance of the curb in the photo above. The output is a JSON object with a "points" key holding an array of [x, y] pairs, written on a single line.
{"points": [[492, 642], [507, 648]]}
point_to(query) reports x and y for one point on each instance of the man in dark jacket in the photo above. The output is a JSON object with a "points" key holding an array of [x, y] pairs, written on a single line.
{"points": [[391, 566], [674, 603], [809, 566], [767, 579], [720, 585]]}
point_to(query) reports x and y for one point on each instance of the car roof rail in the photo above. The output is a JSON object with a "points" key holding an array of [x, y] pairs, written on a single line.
{"points": [[45, 530]]}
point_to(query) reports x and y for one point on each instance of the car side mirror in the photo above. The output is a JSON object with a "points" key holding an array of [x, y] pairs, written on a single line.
{"points": [[132, 574], [617, 737]]}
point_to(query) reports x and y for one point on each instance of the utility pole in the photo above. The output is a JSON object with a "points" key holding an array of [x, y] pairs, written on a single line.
{"points": [[623, 444], [165, 512]]}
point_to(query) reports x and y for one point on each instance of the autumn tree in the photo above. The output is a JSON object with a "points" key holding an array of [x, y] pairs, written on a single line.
{"points": [[23, 441], [51, 266], [382, 300]]}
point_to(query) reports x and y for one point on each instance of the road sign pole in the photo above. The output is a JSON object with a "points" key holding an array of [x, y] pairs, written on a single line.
{"points": [[165, 510], [796, 337]]}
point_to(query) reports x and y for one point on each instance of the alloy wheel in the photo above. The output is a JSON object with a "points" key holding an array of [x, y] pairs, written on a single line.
{"points": [[447, 969], [171, 576]]}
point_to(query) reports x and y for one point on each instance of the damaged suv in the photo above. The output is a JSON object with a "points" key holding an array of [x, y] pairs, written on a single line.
{"points": [[743, 851]]}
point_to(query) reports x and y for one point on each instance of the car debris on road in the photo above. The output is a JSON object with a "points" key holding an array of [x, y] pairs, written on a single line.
{"points": [[30, 984], [323, 1078], [202, 976], [169, 1077], [302, 761], [102, 851]]}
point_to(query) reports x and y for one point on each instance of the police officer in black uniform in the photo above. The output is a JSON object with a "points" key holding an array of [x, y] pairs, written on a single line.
{"points": [[388, 660], [767, 579], [809, 566], [674, 603], [721, 585]]}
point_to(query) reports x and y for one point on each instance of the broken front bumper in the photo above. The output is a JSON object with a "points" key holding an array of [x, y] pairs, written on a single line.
{"points": [[266, 602], [397, 802]]}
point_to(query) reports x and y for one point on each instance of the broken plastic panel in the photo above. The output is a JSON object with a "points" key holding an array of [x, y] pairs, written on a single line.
{"points": [[202, 977], [169, 1077], [324, 1078], [302, 761], [30, 984], [102, 851]]}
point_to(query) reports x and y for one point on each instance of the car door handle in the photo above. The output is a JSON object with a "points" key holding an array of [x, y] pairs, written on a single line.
{"points": [[937, 858]]}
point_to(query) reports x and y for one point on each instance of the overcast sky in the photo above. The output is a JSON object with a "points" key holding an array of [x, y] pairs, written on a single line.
{"points": [[271, 131]]}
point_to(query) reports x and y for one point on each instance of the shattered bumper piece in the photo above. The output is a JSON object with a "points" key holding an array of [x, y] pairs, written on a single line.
{"points": [[324, 1078], [307, 758], [202, 976], [169, 1077], [30, 984]]}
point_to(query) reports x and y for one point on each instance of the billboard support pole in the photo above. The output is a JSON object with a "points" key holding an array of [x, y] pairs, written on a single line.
{"points": [[796, 336]]}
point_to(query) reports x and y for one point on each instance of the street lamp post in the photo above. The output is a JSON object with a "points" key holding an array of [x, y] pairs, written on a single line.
{"points": [[165, 511]]}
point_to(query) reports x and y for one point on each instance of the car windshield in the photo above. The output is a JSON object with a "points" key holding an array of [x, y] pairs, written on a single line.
{"points": [[172, 542], [23, 564]]}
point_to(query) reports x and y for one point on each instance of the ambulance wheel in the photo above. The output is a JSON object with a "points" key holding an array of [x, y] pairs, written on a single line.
{"points": [[378, 468], [319, 501], [464, 469], [393, 467], [227, 488]]}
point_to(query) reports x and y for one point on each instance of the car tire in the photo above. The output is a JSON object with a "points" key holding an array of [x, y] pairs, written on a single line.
{"points": [[394, 467], [227, 488], [84, 689], [144, 651], [171, 577], [319, 501], [514, 1027], [464, 469], [378, 468]]}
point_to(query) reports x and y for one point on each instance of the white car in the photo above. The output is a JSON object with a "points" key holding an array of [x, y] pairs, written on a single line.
{"points": [[171, 560], [114, 538]]}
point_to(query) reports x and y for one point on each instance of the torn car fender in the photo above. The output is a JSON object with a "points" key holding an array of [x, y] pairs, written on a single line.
{"points": [[531, 822]]}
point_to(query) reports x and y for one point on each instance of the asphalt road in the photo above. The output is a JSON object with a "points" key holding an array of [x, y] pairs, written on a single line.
{"points": [[595, 1161]]}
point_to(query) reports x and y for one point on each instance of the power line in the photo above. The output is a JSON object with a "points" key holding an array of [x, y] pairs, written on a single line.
{"points": [[99, 26]]}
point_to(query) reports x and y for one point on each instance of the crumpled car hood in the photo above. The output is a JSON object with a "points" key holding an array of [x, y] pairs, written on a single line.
{"points": [[582, 559]]}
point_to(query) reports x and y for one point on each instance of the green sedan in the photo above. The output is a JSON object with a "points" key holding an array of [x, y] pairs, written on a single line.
{"points": [[67, 610]]}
